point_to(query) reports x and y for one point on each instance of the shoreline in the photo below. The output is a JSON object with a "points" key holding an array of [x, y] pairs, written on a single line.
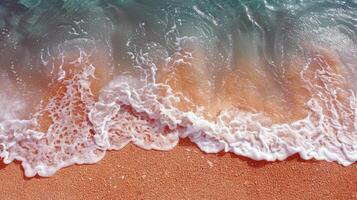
{"points": [[184, 173]]}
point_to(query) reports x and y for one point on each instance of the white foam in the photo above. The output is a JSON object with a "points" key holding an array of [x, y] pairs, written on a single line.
{"points": [[69, 138], [316, 136], [132, 110]]}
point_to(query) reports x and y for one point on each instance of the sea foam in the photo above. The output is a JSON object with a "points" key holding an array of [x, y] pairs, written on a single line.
{"points": [[261, 79], [72, 126]]}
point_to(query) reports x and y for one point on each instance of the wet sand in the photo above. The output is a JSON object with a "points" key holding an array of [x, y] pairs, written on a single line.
{"points": [[184, 173]]}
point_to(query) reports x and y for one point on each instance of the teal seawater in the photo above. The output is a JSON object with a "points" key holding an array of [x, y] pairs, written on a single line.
{"points": [[227, 27]]}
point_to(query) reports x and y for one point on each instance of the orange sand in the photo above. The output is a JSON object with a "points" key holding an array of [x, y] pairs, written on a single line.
{"points": [[184, 173]]}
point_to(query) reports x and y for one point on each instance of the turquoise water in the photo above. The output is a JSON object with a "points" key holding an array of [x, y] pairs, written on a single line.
{"points": [[262, 79]]}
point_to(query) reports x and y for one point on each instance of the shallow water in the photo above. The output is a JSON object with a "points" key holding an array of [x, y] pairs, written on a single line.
{"points": [[262, 79]]}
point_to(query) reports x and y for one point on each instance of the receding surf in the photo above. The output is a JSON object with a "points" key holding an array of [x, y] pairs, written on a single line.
{"points": [[261, 80]]}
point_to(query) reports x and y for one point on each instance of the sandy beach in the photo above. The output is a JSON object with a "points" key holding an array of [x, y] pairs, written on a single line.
{"points": [[184, 173]]}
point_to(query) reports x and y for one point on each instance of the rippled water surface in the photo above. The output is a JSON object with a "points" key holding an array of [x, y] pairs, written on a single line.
{"points": [[262, 79]]}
